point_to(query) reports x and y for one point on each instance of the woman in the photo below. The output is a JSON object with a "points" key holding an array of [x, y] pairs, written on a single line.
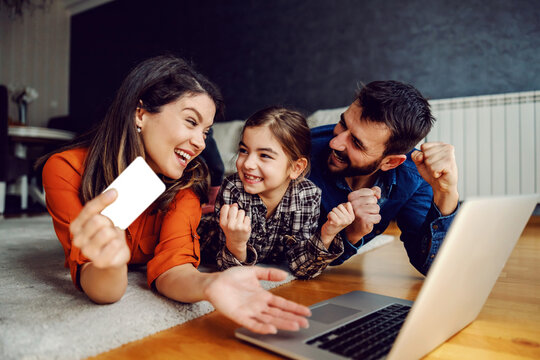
{"points": [[162, 112]]}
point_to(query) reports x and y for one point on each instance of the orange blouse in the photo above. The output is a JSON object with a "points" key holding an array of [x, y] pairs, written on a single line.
{"points": [[160, 240]]}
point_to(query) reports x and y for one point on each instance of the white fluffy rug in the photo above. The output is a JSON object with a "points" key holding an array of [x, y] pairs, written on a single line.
{"points": [[43, 316]]}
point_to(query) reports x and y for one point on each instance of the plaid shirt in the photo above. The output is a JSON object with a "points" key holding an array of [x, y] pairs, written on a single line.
{"points": [[291, 234]]}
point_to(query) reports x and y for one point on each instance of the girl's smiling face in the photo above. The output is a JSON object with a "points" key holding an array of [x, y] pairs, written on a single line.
{"points": [[176, 135], [264, 168]]}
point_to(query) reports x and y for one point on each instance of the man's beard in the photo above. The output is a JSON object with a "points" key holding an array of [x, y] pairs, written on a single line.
{"points": [[351, 171]]}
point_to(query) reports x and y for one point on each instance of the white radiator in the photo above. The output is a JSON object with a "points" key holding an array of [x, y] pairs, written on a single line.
{"points": [[496, 139]]}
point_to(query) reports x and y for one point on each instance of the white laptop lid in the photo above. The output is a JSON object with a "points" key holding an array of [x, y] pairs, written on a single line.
{"points": [[465, 270]]}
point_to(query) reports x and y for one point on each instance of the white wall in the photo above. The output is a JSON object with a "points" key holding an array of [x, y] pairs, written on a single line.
{"points": [[34, 51]]}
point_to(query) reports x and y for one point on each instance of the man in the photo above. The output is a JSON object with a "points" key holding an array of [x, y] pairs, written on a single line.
{"points": [[366, 159]]}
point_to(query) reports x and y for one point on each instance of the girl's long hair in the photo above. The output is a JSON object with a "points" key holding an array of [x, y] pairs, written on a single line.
{"points": [[115, 143]]}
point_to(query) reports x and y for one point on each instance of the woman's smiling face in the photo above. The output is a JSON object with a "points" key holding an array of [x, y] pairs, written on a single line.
{"points": [[176, 134]]}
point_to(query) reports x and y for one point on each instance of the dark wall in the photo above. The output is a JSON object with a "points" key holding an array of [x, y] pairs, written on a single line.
{"points": [[310, 54]]}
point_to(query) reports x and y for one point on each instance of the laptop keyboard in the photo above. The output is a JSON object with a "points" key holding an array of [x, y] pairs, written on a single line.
{"points": [[369, 337]]}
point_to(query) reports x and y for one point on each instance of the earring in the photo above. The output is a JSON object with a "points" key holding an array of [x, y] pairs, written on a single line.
{"points": [[139, 129]]}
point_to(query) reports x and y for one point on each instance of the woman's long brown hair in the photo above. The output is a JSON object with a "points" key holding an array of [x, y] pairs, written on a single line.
{"points": [[115, 143]]}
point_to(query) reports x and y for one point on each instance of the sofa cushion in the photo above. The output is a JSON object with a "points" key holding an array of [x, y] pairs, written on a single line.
{"points": [[227, 136], [325, 117]]}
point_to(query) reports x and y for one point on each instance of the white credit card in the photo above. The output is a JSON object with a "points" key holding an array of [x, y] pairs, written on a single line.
{"points": [[137, 187]]}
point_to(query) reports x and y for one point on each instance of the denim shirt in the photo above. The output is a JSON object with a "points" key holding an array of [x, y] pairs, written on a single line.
{"points": [[405, 197]]}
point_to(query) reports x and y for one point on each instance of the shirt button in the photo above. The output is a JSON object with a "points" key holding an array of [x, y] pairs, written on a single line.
{"points": [[378, 232], [435, 227], [432, 256]]}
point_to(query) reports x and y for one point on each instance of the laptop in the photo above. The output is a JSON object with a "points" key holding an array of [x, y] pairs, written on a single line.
{"points": [[363, 325]]}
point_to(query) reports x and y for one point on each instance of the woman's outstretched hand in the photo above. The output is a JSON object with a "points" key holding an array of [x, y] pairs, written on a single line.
{"points": [[99, 240], [237, 293]]}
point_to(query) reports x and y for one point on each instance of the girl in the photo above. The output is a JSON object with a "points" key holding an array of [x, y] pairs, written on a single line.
{"points": [[267, 211], [162, 111]]}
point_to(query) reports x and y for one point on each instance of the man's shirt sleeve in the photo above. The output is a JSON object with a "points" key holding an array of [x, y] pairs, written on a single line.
{"points": [[423, 228]]}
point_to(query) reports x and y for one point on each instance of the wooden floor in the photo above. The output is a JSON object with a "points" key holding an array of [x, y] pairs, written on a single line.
{"points": [[508, 326]]}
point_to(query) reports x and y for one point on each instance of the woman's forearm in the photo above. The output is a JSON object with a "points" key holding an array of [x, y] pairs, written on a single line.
{"points": [[184, 283], [103, 286]]}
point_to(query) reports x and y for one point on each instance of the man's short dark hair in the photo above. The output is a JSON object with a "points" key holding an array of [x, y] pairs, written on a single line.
{"points": [[402, 108]]}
